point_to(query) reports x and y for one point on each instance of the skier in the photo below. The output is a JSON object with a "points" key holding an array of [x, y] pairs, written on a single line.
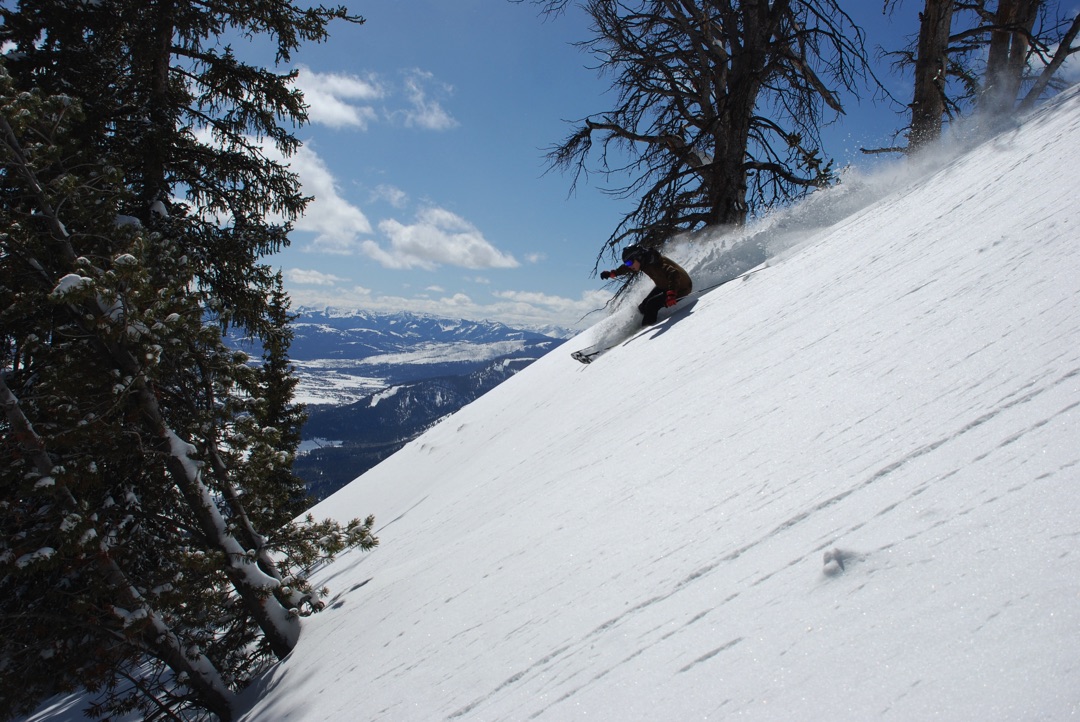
{"points": [[672, 282]]}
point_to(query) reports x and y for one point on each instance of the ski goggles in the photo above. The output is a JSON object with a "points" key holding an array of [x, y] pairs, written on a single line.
{"points": [[630, 263]]}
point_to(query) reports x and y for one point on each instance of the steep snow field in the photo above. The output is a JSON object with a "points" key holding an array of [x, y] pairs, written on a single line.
{"points": [[646, 537]]}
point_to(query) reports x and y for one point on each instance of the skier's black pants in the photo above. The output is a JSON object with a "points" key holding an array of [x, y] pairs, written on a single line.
{"points": [[652, 304]]}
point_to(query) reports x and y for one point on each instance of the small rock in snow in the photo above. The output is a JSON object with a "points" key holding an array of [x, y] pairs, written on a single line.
{"points": [[835, 560]]}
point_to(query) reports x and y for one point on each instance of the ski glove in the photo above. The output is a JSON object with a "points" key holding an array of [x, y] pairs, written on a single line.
{"points": [[671, 299], [605, 275]]}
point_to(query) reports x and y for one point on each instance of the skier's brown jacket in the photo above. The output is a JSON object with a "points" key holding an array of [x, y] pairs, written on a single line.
{"points": [[664, 272]]}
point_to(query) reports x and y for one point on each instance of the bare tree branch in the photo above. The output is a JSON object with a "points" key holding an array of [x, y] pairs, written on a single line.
{"points": [[1064, 50], [719, 105]]}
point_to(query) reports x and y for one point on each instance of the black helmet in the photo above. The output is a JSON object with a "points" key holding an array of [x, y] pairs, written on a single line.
{"points": [[640, 254]]}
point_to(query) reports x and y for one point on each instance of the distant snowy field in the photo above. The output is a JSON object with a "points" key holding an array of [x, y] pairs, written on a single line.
{"points": [[844, 487], [343, 381], [325, 382]]}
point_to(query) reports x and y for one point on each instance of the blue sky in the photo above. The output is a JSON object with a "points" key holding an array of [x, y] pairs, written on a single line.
{"points": [[425, 153]]}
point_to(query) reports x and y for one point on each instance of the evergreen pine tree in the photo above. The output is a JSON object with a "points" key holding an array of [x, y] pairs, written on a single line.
{"points": [[146, 486]]}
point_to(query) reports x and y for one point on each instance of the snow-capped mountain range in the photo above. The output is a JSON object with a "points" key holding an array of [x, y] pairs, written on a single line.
{"points": [[372, 382], [345, 356], [360, 334]]}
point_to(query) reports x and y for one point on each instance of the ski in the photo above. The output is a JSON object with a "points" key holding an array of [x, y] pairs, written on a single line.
{"points": [[590, 353], [586, 358]]}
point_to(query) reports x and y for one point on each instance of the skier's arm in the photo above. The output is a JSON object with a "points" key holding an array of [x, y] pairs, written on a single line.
{"points": [[620, 271]]}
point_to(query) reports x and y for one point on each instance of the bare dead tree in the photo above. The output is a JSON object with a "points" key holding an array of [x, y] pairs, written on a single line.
{"points": [[983, 64], [1064, 49], [1009, 29], [929, 103], [719, 106]]}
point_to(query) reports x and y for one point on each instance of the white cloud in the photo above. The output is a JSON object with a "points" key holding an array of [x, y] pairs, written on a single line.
{"points": [[334, 220], [312, 278], [511, 307], [437, 237], [331, 98], [426, 112], [559, 305], [345, 100], [390, 194], [457, 301]]}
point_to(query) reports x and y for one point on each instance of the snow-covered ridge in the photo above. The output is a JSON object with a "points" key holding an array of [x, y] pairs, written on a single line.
{"points": [[392, 332], [429, 353], [343, 356]]}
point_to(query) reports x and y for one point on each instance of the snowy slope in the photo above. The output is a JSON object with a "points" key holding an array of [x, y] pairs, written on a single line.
{"points": [[644, 538], [646, 535]]}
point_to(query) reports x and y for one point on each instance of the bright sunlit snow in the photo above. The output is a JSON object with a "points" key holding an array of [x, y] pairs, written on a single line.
{"points": [[646, 537], [844, 487]]}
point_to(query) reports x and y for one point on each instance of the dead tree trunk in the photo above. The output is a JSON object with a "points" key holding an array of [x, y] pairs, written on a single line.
{"points": [[928, 103], [1010, 43]]}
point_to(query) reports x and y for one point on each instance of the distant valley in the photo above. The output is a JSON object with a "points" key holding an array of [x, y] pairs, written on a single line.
{"points": [[373, 382]]}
